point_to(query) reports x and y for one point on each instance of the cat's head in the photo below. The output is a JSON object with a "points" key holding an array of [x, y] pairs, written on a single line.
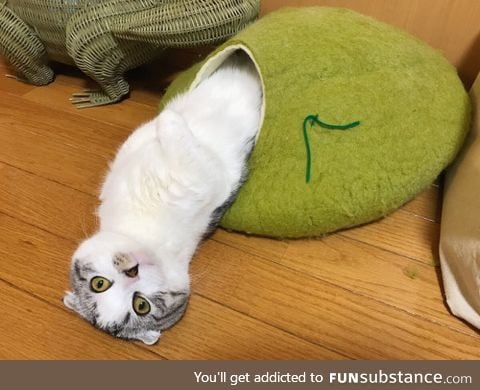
{"points": [[121, 288]]}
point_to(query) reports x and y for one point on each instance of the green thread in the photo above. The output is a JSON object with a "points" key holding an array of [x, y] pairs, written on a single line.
{"points": [[314, 119]]}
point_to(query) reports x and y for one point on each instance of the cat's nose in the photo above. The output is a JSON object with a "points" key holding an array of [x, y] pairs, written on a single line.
{"points": [[132, 272]]}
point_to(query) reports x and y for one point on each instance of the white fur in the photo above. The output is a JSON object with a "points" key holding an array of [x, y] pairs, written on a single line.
{"points": [[168, 178], [172, 172]]}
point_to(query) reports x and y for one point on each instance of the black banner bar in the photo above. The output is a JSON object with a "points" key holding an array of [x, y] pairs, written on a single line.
{"points": [[239, 375]]}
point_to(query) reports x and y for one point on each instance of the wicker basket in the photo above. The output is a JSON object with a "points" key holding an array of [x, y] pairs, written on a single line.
{"points": [[105, 38]]}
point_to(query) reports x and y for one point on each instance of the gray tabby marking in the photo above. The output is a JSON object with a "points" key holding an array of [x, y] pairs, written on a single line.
{"points": [[218, 213]]}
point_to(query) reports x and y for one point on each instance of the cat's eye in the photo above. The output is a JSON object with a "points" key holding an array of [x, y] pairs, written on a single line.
{"points": [[100, 284], [140, 305]]}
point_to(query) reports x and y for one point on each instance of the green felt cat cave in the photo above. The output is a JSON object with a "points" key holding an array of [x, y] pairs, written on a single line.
{"points": [[402, 107]]}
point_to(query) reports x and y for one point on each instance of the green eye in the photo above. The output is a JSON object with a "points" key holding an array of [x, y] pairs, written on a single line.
{"points": [[140, 305], [99, 284]]}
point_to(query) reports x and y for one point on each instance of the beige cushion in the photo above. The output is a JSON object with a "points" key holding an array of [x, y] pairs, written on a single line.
{"points": [[460, 230]]}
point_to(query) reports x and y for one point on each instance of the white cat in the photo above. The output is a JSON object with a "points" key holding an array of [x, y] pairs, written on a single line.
{"points": [[167, 188]]}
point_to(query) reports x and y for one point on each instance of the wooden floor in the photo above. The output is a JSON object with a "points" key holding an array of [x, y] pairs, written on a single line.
{"points": [[372, 292]]}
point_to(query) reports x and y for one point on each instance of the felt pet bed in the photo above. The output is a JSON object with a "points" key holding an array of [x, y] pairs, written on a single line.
{"points": [[460, 228], [339, 67]]}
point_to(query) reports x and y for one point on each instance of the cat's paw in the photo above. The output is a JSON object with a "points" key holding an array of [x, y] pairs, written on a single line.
{"points": [[172, 129]]}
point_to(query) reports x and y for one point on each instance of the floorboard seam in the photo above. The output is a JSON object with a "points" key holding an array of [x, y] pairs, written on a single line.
{"points": [[35, 296]]}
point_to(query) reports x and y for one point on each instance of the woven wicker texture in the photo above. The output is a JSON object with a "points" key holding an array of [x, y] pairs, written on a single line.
{"points": [[105, 38]]}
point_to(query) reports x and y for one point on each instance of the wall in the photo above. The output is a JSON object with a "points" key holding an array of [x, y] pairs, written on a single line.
{"points": [[452, 26]]}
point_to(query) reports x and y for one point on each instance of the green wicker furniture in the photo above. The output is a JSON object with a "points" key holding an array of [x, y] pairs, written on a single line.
{"points": [[345, 67], [105, 38]]}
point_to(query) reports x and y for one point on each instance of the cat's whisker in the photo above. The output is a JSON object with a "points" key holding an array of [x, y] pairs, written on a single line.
{"points": [[84, 226]]}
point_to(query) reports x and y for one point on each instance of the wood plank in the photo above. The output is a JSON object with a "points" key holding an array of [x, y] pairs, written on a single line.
{"points": [[46, 204], [321, 312], [406, 284], [128, 114], [223, 288], [10, 85], [221, 273], [72, 150], [38, 263], [380, 275], [259, 246], [32, 329], [204, 274], [364, 269], [13, 87], [402, 233], [210, 330]]}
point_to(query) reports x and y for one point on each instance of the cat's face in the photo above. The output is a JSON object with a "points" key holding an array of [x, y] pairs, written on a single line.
{"points": [[121, 288]]}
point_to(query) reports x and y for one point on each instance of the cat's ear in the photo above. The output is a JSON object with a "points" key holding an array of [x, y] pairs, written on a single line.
{"points": [[70, 300], [150, 337]]}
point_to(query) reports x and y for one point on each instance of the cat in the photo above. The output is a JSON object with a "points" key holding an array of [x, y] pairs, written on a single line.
{"points": [[165, 191]]}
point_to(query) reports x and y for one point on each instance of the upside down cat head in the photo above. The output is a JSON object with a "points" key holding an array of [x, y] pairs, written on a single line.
{"points": [[121, 288]]}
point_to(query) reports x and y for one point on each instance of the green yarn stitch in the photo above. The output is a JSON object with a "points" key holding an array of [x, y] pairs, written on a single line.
{"points": [[314, 119]]}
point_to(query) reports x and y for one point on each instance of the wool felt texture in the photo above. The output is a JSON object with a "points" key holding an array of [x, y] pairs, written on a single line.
{"points": [[460, 227], [343, 67]]}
